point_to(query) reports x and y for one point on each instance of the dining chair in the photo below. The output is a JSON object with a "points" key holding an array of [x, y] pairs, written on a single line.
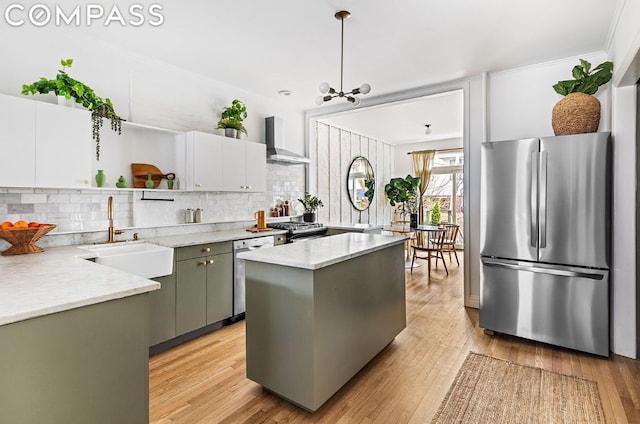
{"points": [[432, 246], [448, 242]]}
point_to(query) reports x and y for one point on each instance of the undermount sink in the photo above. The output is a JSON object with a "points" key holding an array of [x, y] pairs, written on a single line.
{"points": [[140, 258]]}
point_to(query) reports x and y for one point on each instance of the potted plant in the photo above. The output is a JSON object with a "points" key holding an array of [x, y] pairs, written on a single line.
{"points": [[436, 214], [404, 191], [311, 205], [67, 87], [231, 119], [579, 111]]}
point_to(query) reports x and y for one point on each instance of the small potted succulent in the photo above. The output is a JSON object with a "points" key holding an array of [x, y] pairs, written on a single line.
{"points": [[311, 205], [579, 111], [231, 119], [66, 87]]}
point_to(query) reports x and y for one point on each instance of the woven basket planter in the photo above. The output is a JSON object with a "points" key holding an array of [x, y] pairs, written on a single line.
{"points": [[576, 113]]}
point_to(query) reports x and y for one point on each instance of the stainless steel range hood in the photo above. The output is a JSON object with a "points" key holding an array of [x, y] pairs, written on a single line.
{"points": [[276, 145]]}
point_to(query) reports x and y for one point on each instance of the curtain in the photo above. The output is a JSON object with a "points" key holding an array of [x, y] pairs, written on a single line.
{"points": [[422, 164]]}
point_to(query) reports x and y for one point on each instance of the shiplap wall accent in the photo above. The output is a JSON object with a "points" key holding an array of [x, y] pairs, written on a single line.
{"points": [[335, 149]]}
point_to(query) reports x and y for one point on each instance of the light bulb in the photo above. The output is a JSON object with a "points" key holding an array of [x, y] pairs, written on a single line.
{"points": [[319, 100], [356, 101], [428, 130], [324, 88], [365, 88]]}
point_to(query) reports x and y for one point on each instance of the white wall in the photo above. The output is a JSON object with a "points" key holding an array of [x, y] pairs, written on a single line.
{"points": [[334, 149], [520, 100], [143, 90], [624, 51]]}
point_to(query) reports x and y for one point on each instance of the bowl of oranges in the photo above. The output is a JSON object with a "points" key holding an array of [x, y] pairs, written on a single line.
{"points": [[22, 236]]}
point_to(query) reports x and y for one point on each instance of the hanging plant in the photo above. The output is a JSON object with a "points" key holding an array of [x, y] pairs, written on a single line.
{"points": [[67, 87]]}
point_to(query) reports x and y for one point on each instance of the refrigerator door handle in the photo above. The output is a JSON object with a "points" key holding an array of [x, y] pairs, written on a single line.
{"points": [[530, 268], [544, 156], [534, 200]]}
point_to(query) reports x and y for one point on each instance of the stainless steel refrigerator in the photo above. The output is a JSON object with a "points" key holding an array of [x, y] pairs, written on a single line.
{"points": [[546, 240]]}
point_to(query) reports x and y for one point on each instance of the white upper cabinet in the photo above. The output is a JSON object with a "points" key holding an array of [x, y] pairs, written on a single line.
{"points": [[256, 160], [204, 154], [63, 147], [244, 165], [17, 142]]}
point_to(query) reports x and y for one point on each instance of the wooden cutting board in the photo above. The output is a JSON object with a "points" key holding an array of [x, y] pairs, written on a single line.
{"points": [[139, 171]]}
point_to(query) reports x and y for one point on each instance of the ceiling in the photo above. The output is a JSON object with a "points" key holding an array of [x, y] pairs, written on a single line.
{"points": [[268, 46]]}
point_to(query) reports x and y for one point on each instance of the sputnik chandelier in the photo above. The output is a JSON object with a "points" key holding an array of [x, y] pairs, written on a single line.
{"points": [[329, 92]]}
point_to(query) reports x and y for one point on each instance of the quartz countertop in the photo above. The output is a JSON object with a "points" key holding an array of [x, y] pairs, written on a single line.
{"points": [[183, 240], [60, 279], [352, 226], [324, 251]]}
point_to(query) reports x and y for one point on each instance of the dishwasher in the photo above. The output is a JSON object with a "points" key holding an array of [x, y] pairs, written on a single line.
{"points": [[239, 300]]}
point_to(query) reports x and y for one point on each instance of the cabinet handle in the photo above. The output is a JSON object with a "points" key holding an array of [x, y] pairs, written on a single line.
{"points": [[248, 187], [208, 249], [211, 261], [202, 263], [86, 182], [198, 185]]}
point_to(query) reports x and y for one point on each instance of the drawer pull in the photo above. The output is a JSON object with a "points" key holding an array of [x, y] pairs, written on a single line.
{"points": [[202, 263], [208, 249], [211, 261]]}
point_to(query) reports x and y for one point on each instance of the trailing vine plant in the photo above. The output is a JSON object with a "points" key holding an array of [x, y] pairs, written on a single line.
{"points": [[64, 85]]}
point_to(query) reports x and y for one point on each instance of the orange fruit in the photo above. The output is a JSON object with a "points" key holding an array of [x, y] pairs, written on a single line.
{"points": [[20, 224], [33, 224], [6, 224]]}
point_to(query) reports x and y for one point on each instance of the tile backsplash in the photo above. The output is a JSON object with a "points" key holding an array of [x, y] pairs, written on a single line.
{"points": [[85, 211]]}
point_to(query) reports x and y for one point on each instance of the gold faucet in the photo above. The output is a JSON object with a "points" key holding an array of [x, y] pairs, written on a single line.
{"points": [[112, 232]]}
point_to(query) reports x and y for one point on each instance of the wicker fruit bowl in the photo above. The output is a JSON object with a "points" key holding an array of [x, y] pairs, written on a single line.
{"points": [[23, 240]]}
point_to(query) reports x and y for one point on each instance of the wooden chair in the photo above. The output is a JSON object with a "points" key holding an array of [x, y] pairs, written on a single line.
{"points": [[448, 242], [432, 247]]}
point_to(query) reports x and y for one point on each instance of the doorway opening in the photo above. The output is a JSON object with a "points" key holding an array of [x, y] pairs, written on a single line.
{"points": [[451, 178]]}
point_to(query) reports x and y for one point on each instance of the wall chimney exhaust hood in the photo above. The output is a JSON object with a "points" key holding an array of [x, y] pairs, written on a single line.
{"points": [[276, 146]]}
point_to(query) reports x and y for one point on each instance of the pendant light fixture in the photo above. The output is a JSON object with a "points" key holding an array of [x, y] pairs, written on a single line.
{"points": [[329, 92]]}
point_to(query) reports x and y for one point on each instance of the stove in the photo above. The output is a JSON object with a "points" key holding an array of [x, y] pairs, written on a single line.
{"points": [[299, 231]]}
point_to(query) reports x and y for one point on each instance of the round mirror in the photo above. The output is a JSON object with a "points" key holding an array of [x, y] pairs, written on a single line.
{"points": [[361, 183]]}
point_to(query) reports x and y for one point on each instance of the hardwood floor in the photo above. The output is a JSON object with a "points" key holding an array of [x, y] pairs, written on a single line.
{"points": [[204, 381]]}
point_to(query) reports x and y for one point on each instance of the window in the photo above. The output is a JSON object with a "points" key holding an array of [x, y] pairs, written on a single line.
{"points": [[446, 188]]}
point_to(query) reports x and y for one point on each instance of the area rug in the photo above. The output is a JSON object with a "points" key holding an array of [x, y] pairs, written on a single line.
{"points": [[490, 390]]}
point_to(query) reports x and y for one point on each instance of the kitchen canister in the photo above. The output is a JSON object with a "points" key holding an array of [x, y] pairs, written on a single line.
{"points": [[188, 216], [197, 215]]}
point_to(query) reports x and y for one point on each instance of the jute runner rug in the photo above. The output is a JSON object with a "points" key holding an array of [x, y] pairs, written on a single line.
{"points": [[489, 390]]}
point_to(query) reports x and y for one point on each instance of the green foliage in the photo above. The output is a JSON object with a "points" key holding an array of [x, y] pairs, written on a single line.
{"points": [[435, 214], [310, 203], [586, 80], [65, 85], [233, 116], [400, 190], [370, 185]]}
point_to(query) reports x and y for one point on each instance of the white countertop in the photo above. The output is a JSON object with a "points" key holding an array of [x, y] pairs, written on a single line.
{"points": [[321, 252], [60, 279], [183, 240], [351, 226]]}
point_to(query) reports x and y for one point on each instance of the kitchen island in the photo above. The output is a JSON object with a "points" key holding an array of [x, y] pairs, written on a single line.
{"points": [[320, 310]]}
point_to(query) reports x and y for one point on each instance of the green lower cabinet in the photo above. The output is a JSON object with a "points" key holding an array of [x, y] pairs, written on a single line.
{"points": [[191, 295], [162, 310], [204, 286], [219, 288]]}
